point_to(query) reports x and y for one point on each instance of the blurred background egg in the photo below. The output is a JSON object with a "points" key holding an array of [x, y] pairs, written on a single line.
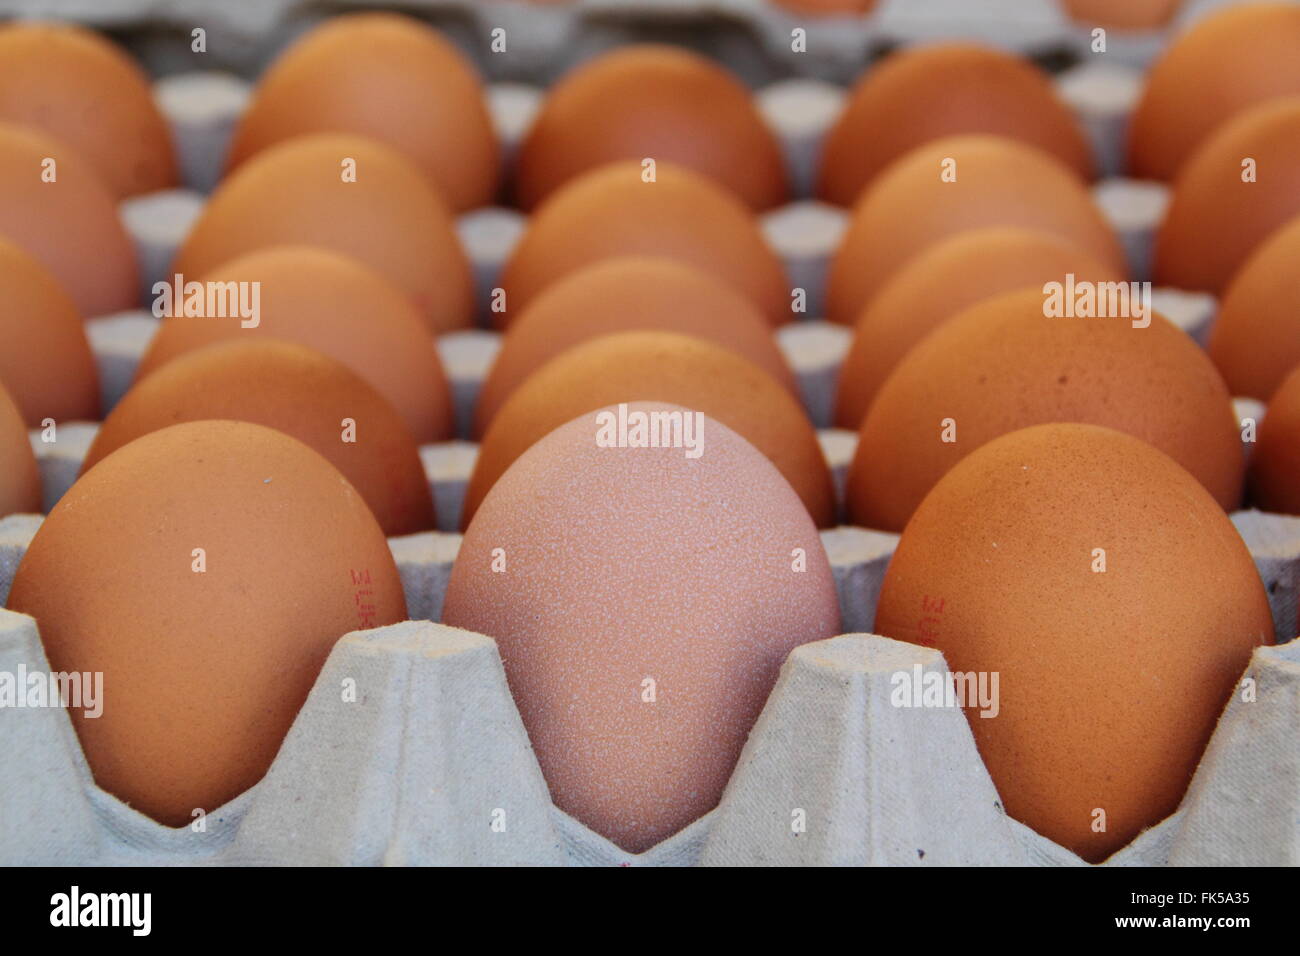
{"points": [[1110, 681], [54, 205], [298, 391], [651, 294], [20, 481], [1229, 61], [1003, 365], [203, 671], [1255, 341], [652, 101], [913, 204], [1275, 463], [682, 215], [389, 217], [385, 76], [939, 283], [828, 7], [946, 89], [663, 367], [80, 89], [338, 306], [643, 565], [1234, 191], [1124, 14], [45, 358]]}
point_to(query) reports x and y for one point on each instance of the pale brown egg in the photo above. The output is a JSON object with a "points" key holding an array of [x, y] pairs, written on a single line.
{"points": [[658, 102], [206, 570], [1228, 62], [1275, 464], [642, 614], [612, 211], [1255, 341], [625, 294], [1241, 185], [1123, 14], [1002, 365], [918, 202], [54, 205], [662, 367], [82, 90], [385, 76], [45, 358], [299, 391], [336, 305], [1115, 604], [20, 481], [940, 90], [939, 283], [349, 194]]}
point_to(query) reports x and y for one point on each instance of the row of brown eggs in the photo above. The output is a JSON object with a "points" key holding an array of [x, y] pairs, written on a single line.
{"points": [[593, 568]]}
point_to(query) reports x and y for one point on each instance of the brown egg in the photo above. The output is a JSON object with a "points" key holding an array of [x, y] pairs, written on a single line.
{"points": [[389, 217], [45, 361], [1123, 14], [1215, 219], [385, 76], [1255, 341], [336, 305], [203, 672], [54, 205], [299, 391], [661, 367], [1116, 604], [1003, 365], [681, 215], [911, 206], [941, 90], [650, 294], [1229, 61], [20, 481], [652, 101], [1275, 464], [828, 7], [642, 614], [82, 90], [939, 283]]}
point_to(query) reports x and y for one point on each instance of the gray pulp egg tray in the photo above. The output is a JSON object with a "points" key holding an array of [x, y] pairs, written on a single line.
{"points": [[432, 764]]}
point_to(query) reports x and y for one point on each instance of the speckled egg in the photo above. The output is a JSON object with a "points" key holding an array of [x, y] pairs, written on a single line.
{"points": [[642, 615], [1115, 604], [664, 367], [206, 570]]}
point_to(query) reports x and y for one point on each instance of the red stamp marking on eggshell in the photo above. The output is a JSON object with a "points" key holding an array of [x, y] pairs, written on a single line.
{"points": [[931, 618], [363, 597]]}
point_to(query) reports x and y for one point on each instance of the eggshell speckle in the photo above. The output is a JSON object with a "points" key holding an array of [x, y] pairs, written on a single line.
{"points": [[300, 392], [1216, 218], [82, 90], [941, 90], [1275, 465], [939, 283], [611, 211], [651, 294], [202, 672], [70, 223], [1002, 365], [385, 76], [642, 615], [664, 367], [335, 305], [999, 182], [390, 218], [656, 101], [1229, 61], [20, 482], [1255, 341], [45, 358], [1109, 683]]}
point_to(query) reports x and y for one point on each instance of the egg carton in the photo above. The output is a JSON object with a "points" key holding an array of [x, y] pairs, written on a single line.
{"points": [[430, 764]]}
